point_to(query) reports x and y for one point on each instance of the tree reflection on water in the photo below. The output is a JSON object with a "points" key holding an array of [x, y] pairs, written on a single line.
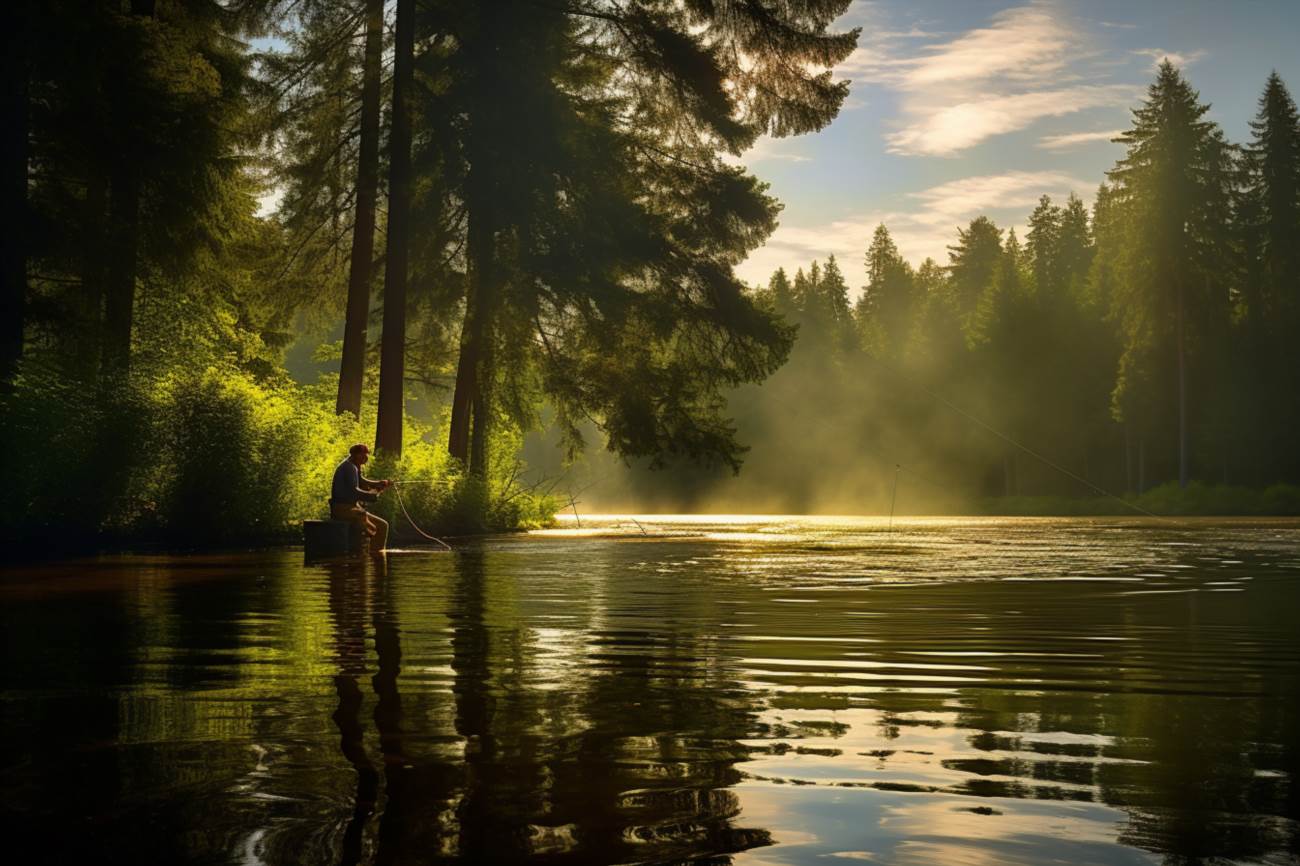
{"points": [[656, 701], [631, 765]]}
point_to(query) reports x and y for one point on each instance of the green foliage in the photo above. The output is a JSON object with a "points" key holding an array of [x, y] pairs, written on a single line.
{"points": [[607, 237], [1173, 184], [442, 499], [1267, 352], [214, 456], [63, 455]]}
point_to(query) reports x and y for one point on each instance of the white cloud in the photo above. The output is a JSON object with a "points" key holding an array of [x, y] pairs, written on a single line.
{"points": [[1070, 139], [970, 196], [987, 81], [1177, 58], [924, 230], [947, 130], [769, 149], [780, 157], [1023, 43]]}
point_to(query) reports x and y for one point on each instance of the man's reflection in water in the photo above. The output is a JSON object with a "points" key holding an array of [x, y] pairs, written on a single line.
{"points": [[349, 600]]}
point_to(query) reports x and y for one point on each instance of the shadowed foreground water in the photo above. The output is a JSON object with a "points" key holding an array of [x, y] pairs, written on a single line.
{"points": [[718, 690]]}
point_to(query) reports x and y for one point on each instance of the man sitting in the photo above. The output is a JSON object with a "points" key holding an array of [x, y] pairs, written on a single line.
{"points": [[350, 489]]}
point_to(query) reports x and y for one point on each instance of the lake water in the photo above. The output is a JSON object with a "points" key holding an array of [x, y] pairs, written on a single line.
{"points": [[658, 690]]}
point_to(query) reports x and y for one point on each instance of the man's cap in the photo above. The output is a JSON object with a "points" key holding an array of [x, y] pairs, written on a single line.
{"points": [[359, 447]]}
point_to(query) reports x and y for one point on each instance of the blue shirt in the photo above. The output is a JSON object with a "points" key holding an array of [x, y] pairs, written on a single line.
{"points": [[347, 485]]}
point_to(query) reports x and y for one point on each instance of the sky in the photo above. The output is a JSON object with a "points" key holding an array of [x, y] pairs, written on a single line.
{"points": [[965, 107]]}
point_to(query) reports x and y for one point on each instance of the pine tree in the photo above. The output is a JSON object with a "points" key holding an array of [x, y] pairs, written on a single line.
{"points": [[800, 290], [614, 222], [972, 263], [782, 293], [882, 260], [322, 116], [835, 294], [1271, 229], [352, 365], [1042, 244], [1273, 161], [118, 197], [1003, 300], [392, 362], [1173, 181], [1074, 247], [1079, 343], [1003, 332], [931, 278], [938, 343], [814, 314], [835, 291], [885, 309]]}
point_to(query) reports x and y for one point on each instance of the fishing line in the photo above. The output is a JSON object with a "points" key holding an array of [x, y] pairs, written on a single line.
{"points": [[397, 490]]}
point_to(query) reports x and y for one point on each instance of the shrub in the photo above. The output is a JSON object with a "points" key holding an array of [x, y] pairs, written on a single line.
{"points": [[214, 455]]}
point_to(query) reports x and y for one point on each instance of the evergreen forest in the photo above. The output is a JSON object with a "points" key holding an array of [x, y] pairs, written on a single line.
{"points": [[495, 219], [1137, 356]]}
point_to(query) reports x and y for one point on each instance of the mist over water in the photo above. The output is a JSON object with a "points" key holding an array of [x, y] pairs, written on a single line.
{"points": [[647, 689], [842, 461]]}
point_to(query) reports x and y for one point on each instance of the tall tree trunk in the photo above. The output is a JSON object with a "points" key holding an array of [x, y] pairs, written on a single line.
{"points": [[392, 356], [467, 440], [352, 367], [478, 443], [462, 400], [13, 246], [124, 219], [466, 402], [468, 409]]}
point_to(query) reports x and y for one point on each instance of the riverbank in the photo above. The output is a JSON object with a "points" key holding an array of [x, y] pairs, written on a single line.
{"points": [[207, 457], [1167, 500]]}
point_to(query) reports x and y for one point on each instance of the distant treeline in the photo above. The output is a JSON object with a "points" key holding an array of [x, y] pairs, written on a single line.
{"points": [[1154, 339]]}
